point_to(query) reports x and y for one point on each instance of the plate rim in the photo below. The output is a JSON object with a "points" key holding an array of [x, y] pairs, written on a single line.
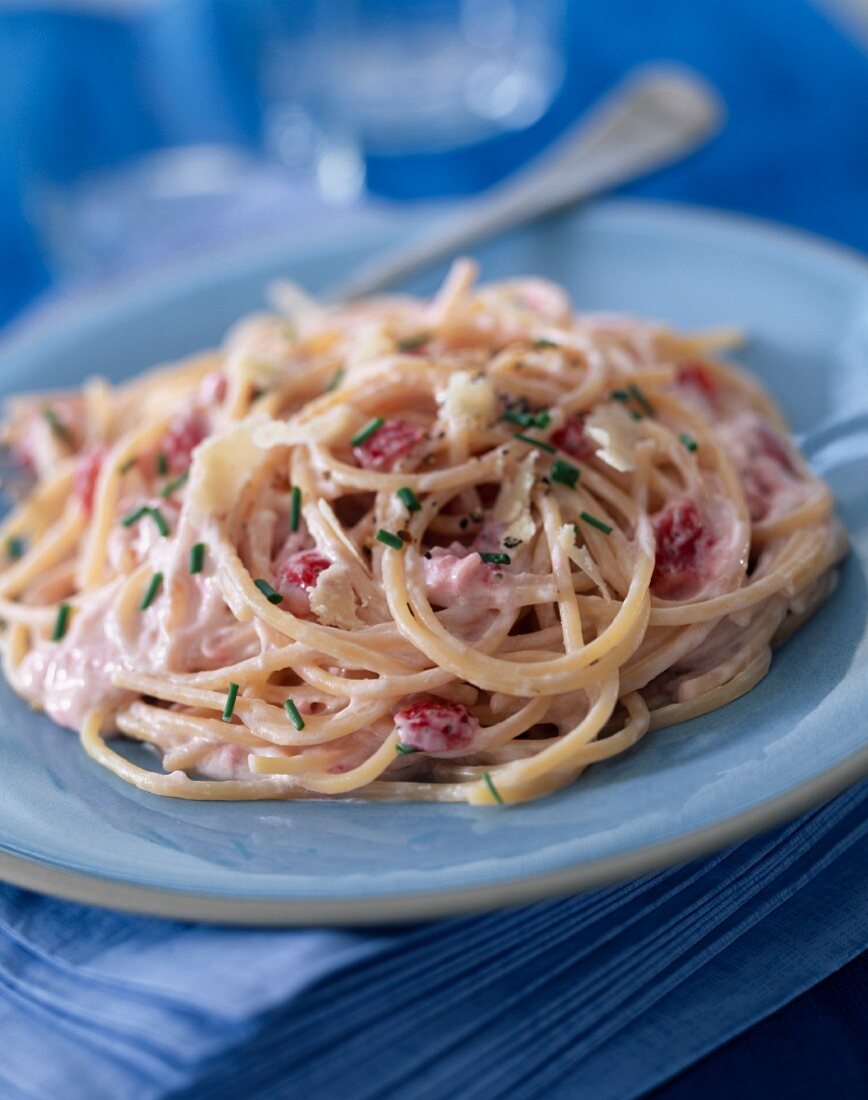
{"points": [[48, 320], [397, 908]]}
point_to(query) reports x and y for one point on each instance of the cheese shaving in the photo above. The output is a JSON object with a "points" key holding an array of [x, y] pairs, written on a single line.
{"points": [[333, 599], [579, 556], [334, 424], [617, 435], [221, 468], [468, 400]]}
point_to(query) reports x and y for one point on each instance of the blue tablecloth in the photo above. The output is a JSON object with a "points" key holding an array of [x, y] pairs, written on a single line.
{"points": [[605, 995]]}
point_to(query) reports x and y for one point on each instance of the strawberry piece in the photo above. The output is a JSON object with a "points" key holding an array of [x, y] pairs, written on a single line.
{"points": [[302, 570], [434, 725], [697, 377], [184, 435], [394, 439], [297, 574], [683, 544], [573, 439]]}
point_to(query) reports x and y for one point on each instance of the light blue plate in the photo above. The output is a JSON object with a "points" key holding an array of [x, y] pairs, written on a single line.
{"points": [[67, 827]]}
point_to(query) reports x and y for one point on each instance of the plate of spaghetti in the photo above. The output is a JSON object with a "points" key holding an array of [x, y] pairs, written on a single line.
{"points": [[543, 573]]}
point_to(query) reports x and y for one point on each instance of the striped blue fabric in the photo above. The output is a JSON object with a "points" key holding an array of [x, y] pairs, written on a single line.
{"points": [[602, 995]]}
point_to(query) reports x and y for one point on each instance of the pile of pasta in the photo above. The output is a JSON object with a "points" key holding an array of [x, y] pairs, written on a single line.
{"points": [[451, 549]]}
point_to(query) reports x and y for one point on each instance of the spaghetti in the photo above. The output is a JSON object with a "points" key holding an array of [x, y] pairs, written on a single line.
{"points": [[453, 550]]}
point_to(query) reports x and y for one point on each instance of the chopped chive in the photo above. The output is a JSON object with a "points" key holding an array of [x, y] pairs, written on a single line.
{"points": [[335, 382], [689, 442], [565, 473], [636, 415], [160, 521], [412, 342], [496, 559], [365, 434], [545, 344], [404, 749], [162, 464], [61, 622], [135, 516], [489, 782], [197, 557], [636, 393], [598, 523], [125, 467], [541, 443], [295, 508], [271, 594], [152, 590], [619, 395], [526, 419], [60, 430], [409, 499], [171, 486], [516, 416], [293, 715], [229, 709], [15, 547], [389, 539]]}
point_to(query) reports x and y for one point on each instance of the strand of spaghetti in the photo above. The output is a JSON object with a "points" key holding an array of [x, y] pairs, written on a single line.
{"points": [[675, 713], [237, 583], [92, 561], [615, 743], [810, 514], [159, 385], [164, 727], [502, 733], [396, 686], [755, 641], [513, 780], [351, 780], [267, 722], [177, 784], [799, 555], [32, 518], [568, 605], [57, 542], [664, 648], [548, 677], [32, 616], [476, 470], [99, 409]]}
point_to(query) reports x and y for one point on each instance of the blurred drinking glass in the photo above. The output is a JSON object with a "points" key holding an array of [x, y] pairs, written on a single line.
{"points": [[347, 79]]}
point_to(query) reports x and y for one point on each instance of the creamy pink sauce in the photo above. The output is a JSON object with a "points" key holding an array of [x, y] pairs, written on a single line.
{"points": [[224, 762], [72, 677], [69, 678], [459, 576], [771, 482]]}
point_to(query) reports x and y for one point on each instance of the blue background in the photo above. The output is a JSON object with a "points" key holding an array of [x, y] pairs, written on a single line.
{"points": [[84, 90]]}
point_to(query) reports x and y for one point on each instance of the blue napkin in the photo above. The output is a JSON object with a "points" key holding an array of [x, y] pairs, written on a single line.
{"points": [[603, 995]]}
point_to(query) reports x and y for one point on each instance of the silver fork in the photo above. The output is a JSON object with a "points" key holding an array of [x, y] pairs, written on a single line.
{"points": [[652, 118]]}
